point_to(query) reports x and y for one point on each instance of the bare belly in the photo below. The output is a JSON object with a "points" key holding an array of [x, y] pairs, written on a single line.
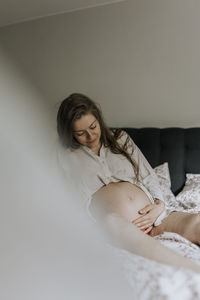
{"points": [[123, 198]]}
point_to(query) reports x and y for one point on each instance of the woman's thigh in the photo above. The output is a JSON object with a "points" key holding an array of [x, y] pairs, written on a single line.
{"points": [[180, 222]]}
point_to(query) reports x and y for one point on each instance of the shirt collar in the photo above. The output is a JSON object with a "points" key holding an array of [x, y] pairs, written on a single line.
{"points": [[89, 151]]}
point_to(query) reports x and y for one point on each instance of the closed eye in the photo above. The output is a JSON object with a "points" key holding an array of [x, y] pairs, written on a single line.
{"points": [[92, 127], [79, 134]]}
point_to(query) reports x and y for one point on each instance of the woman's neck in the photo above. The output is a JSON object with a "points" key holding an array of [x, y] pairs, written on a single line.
{"points": [[96, 149]]}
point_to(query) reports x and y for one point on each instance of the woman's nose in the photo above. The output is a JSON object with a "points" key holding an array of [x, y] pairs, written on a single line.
{"points": [[89, 134]]}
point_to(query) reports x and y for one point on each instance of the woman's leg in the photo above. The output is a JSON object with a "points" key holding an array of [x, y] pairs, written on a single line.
{"points": [[127, 236], [185, 224]]}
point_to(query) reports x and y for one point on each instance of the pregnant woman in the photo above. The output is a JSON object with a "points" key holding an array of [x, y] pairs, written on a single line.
{"points": [[109, 170]]}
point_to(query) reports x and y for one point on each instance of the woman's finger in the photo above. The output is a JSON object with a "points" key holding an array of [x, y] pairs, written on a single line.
{"points": [[146, 209], [148, 229], [140, 220], [144, 223], [146, 226]]}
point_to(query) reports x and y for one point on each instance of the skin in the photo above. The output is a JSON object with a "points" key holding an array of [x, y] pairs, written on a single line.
{"points": [[127, 200], [149, 214], [87, 132], [128, 237]]}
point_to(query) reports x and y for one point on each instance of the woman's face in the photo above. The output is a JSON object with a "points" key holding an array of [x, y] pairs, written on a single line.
{"points": [[87, 131]]}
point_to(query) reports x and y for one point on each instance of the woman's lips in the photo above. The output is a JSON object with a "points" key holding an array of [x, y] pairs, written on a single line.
{"points": [[90, 142]]}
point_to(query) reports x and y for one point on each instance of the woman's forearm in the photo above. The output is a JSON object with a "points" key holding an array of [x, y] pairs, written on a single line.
{"points": [[129, 237]]}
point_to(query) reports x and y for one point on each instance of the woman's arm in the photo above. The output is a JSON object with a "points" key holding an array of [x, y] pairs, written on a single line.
{"points": [[156, 212], [150, 215], [145, 170], [127, 236]]}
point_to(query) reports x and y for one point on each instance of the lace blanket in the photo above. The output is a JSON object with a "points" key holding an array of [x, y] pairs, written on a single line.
{"points": [[151, 280], [154, 281]]}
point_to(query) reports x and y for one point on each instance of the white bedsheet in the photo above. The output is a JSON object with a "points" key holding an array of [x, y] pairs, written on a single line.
{"points": [[151, 280], [154, 281]]}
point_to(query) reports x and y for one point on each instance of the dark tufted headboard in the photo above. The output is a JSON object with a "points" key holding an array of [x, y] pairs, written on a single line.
{"points": [[178, 146]]}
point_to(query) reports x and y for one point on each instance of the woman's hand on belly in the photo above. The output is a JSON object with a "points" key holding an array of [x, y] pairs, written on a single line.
{"points": [[149, 215]]}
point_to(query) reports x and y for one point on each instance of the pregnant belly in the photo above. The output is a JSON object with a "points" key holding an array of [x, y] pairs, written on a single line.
{"points": [[123, 198]]}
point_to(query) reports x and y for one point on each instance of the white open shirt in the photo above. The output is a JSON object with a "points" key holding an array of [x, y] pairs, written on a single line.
{"points": [[90, 172]]}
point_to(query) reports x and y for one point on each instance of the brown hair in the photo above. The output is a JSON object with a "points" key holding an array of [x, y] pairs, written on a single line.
{"points": [[73, 108]]}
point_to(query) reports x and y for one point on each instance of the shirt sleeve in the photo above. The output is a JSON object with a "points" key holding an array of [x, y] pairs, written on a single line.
{"points": [[147, 175]]}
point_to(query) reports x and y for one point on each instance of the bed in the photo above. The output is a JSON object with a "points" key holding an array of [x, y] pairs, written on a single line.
{"points": [[180, 148]]}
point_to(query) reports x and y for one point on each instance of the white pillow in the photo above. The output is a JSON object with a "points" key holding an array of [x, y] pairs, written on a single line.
{"points": [[189, 198]]}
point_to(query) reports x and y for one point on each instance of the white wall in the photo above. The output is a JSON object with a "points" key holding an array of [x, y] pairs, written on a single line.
{"points": [[49, 247], [139, 59]]}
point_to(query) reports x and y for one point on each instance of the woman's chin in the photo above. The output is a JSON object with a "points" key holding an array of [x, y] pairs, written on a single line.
{"points": [[93, 143], [95, 146]]}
